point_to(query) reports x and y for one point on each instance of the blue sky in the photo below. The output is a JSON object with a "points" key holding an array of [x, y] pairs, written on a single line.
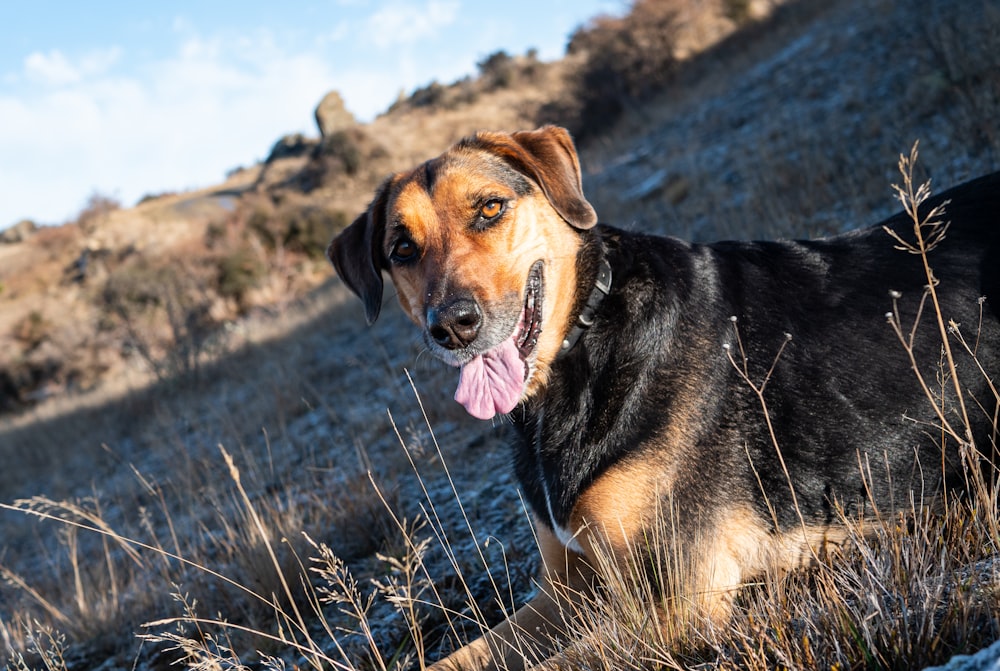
{"points": [[132, 98]]}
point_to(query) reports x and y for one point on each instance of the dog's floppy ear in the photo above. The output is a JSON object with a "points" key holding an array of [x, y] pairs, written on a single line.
{"points": [[548, 156], [357, 255]]}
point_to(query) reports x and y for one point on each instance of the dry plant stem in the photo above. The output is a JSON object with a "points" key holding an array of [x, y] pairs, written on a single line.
{"points": [[439, 527], [310, 651], [895, 321], [451, 481], [299, 620], [133, 545], [416, 551], [935, 232], [335, 573], [989, 380], [48, 645], [37, 506], [157, 491], [507, 602], [911, 201], [307, 651], [760, 484], [865, 469], [758, 390], [47, 606]]}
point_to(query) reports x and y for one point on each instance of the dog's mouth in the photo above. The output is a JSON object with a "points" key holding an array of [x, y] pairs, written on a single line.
{"points": [[493, 382], [530, 325]]}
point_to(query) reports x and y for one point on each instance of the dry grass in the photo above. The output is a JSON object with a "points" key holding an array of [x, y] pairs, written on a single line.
{"points": [[158, 481], [145, 466]]}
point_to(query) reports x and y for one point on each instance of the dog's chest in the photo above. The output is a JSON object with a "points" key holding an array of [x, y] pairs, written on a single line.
{"points": [[544, 480]]}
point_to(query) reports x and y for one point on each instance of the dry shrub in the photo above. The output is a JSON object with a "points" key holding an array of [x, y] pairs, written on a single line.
{"points": [[298, 228], [32, 330], [96, 212], [172, 310], [239, 272], [290, 146], [346, 154], [164, 309], [59, 242], [23, 381], [344, 147], [500, 70], [497, 71], [627, 60], [434, 94], [271, 249]]}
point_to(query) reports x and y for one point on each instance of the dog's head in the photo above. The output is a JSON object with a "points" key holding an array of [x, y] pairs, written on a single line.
{"points": [[481, 244]]}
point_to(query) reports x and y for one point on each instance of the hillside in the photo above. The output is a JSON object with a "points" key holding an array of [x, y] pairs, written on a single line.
{"points": [[136, 341]]}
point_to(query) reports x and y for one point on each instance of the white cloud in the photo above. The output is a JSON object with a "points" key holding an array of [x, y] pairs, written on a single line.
{"points": [[51, 68], [99, 61], [171, 124], [403, 23], [55, 69], [341, 31]]}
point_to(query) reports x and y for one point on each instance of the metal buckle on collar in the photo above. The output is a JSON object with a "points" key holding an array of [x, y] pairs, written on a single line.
{"points": [[602, 287]]}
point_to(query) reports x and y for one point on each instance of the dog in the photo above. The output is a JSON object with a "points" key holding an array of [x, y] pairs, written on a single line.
{"points": [[754, 388]]}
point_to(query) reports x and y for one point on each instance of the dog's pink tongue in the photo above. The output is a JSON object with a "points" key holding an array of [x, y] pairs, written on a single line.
{"points": [[492, 383]]}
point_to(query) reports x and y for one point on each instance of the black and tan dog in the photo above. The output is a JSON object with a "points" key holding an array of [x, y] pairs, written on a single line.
{"points": [[611, 353]]}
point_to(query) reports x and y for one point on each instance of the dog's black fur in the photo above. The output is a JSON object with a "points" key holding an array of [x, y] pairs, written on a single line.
{"points": [[842, 397]]}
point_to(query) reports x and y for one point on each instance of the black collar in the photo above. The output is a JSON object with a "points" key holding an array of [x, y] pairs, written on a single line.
{"points": [[602, 287]]}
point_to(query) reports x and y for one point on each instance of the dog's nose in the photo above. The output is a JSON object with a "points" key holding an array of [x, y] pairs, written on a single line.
{"points": [[456, 324]]}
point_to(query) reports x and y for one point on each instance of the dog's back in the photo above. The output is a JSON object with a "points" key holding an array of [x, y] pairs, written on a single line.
{"points": [[859, 342]]}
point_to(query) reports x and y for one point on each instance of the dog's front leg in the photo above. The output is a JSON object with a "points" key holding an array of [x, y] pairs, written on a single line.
{"points": [[537, 630]]}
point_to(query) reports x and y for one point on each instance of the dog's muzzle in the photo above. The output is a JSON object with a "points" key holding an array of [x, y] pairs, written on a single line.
{"points": [[456, 324]]}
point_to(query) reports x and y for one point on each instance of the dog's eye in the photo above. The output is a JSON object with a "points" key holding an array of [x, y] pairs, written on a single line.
{"points": [[403, 250], [491, 209]]}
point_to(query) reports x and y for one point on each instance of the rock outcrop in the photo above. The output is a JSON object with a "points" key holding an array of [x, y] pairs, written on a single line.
{"points": [[331, 115], [19, 232]]}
